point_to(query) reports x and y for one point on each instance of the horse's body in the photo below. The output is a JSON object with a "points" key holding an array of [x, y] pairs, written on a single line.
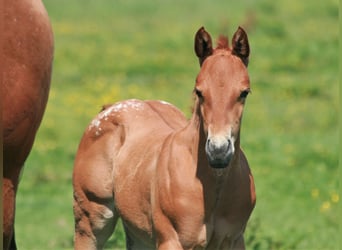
{"points": [[27, 52], [176, 184]]}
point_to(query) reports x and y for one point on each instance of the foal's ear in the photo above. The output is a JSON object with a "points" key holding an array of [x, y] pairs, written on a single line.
{"points": [[241, 45], [203, 45]]}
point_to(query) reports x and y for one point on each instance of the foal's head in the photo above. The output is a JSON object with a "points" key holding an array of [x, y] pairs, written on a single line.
{"points": [[222, 86]]}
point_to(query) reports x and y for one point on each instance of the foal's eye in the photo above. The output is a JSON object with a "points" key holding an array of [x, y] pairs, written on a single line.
{"points": [[244, 93]]}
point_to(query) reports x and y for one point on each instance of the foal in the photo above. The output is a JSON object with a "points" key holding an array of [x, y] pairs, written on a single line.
{"points": [[176, 184]]}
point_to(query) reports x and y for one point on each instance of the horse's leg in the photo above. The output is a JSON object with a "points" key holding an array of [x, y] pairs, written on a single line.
{"points": [[13, 244], [9, 188], [8, 203]]}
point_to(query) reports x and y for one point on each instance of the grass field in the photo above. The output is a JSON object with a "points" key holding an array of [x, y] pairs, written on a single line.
{"points": [[106, 51]]}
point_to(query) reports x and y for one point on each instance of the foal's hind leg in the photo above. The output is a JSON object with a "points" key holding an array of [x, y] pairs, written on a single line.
{"points": [[94, 209], [95, 220]]}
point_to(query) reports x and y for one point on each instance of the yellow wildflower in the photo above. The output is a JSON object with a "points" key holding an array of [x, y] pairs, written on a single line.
{"points": [[335, 197], [325, 206], [314, 193]]}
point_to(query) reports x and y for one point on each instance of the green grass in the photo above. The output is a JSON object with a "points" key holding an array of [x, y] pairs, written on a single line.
{"points": [[106, 51]]}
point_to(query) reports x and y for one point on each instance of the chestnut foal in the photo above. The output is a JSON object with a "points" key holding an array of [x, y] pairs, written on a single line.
{"points": [[176, 184]]}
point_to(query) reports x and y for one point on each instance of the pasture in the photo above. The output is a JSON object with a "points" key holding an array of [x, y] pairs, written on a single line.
{"points": [[106, 51]]}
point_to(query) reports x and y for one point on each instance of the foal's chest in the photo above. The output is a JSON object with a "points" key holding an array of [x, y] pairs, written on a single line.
{"points": [[219, 231]]}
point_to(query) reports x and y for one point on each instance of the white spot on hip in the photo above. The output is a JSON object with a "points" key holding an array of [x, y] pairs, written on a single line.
{"points": [[115, 109]]}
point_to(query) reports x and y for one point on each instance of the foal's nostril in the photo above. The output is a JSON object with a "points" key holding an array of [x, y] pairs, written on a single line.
{"points": [[218, 147], [229, 144], [219, 151]]}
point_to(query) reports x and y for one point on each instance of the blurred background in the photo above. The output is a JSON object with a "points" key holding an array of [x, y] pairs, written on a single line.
{"points": [[106, 51]]}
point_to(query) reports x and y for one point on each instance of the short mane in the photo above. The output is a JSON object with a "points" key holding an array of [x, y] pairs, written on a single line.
{"points": [[222, 42]]}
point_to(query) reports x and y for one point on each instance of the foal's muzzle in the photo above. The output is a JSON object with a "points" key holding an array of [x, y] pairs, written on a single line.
{"points": [[219, 152]]}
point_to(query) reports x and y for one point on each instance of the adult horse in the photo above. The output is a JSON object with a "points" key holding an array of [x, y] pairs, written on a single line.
{"points": [[27, 53], [176, 184]]}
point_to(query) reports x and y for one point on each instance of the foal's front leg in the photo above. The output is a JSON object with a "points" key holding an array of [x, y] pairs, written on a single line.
{"points": [[170, 245], [166, 235], [230, 244], [239, 243]]}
